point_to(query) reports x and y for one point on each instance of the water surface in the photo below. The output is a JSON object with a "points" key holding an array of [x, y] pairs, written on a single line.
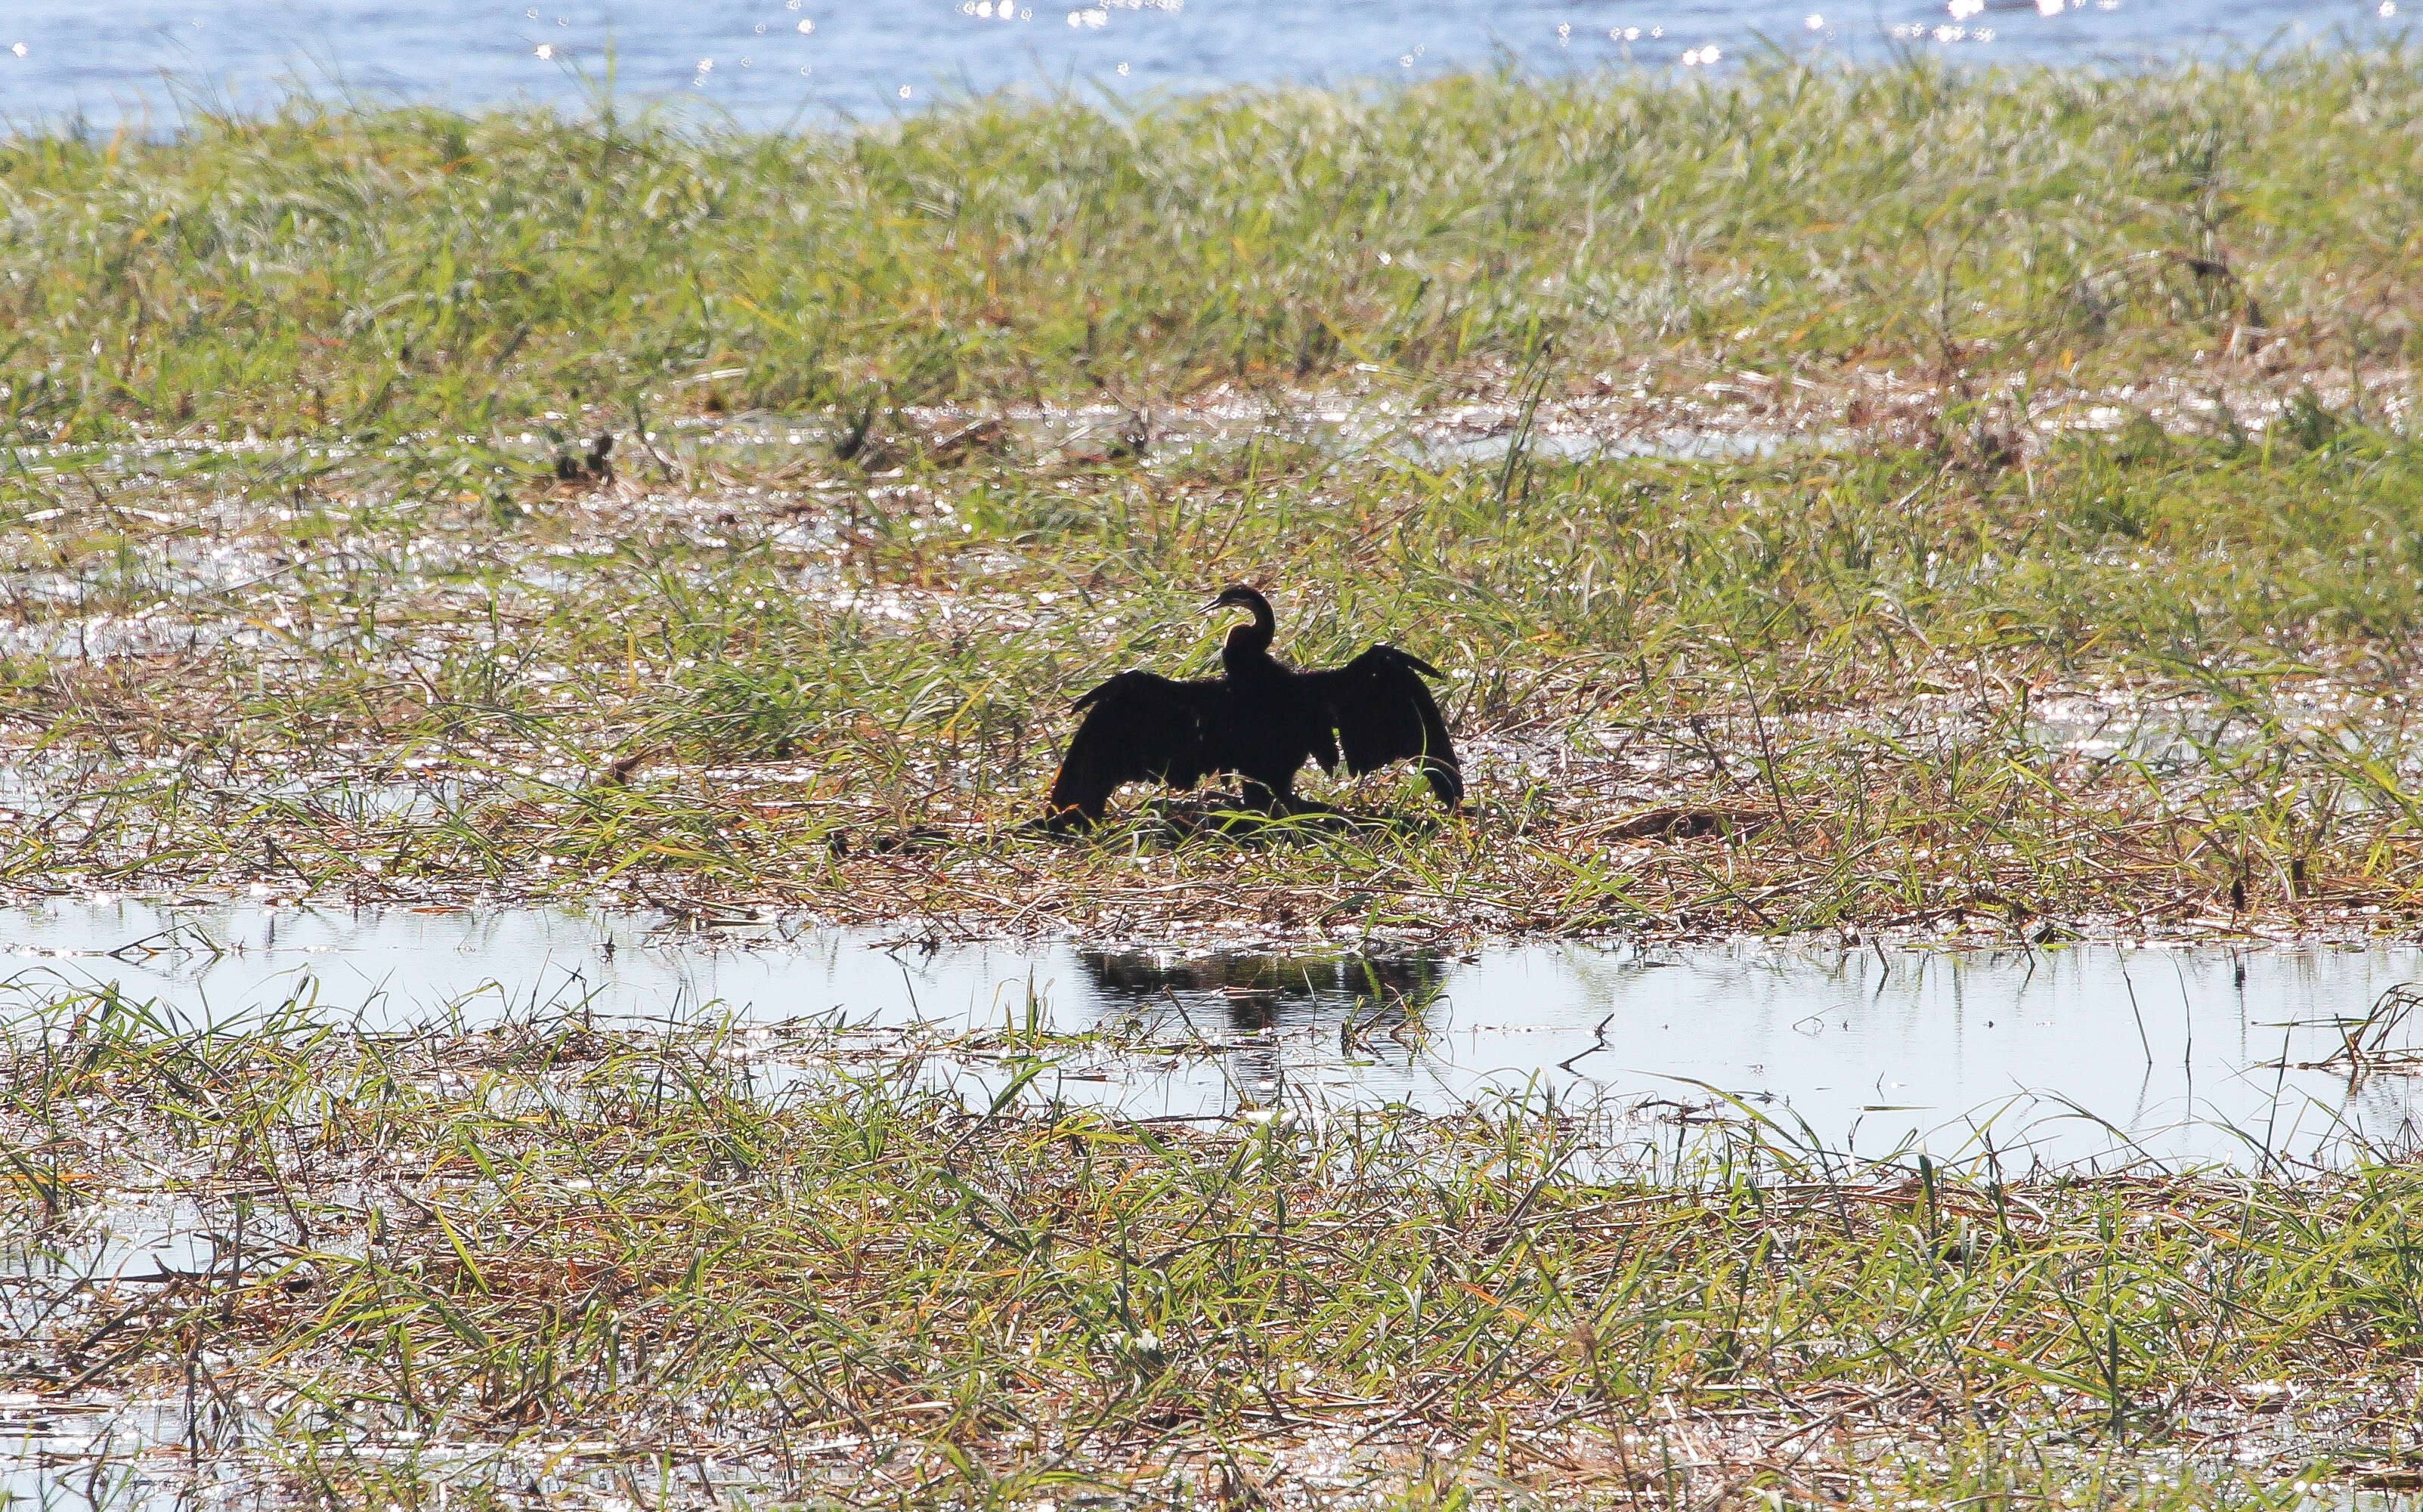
{"points": [[2084, 1053], [771, 62], [2080, 1051]]}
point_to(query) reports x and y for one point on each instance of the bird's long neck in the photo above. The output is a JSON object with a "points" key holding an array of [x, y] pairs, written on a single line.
{"points": [[1248, 646]]}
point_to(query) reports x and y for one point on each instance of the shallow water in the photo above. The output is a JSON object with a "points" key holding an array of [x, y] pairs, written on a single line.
{"points": [[2085, 1052], [769, 62], [91, 1455]]}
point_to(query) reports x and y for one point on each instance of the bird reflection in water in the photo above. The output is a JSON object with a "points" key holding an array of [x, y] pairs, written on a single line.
{"points": [[1379, 1005]]}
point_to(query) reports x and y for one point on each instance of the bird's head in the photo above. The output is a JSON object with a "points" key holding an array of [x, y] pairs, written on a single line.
{"points": [[1238, 597], [1257, 632]]}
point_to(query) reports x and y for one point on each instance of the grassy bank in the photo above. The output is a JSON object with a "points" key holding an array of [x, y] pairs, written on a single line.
{"points": [[546, 1261], [2049, 562], [376, 272]]}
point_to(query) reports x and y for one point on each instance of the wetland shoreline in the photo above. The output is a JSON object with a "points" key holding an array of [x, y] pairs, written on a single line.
{"points": [[1862, 506]]}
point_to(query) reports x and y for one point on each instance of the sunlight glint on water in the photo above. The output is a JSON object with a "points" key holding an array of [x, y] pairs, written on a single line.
{"points": [[768, 62]]}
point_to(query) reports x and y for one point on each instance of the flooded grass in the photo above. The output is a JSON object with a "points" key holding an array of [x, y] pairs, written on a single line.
{"points": [[2268, 1059], [550, 1259], [2139, 685], [1978, 509]]}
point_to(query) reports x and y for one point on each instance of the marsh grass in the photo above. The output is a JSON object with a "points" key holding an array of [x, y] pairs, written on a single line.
{"points": [[2081, 595], [330, 271], [2090, 391], [2147, 678], [721, 1261]]}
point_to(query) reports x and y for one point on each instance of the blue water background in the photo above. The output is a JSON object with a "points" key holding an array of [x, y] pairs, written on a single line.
{"points": [[148, 62]]}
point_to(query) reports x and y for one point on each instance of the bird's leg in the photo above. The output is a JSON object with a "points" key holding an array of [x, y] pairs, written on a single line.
{"points": [[1284, 805], [1264, 797]]}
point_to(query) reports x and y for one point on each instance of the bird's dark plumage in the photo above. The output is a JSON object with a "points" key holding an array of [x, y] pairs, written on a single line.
{"points": [[1260, 719]]}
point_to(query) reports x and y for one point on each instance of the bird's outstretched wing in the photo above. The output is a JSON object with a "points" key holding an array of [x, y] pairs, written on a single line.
{"points": [[1140, 728], [1385, 713]]}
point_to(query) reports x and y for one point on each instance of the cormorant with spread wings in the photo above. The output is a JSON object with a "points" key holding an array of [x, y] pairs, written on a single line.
{"points": [[1260, 719]]}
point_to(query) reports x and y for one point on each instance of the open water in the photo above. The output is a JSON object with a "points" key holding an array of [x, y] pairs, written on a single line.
{"points": [[766, 63]]}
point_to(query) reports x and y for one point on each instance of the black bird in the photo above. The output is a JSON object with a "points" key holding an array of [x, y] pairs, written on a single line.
{"points": [[1260, 719]]}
